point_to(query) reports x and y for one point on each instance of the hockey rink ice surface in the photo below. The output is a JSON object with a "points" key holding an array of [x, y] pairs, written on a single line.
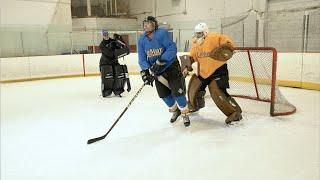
{"points": [[45, 126]]}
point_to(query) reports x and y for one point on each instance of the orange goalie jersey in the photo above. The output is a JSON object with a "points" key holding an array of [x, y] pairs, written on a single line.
{"points": [[200, 53]]}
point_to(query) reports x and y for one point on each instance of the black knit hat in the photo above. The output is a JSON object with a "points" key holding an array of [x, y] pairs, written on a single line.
{"points": [[151, 19]]}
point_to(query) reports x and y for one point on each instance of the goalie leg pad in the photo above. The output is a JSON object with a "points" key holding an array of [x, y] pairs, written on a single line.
{"points": [[236, 116], [200, 99], [120, 74], [125, 69], [233, 117], [221, 100], [105, 92], [106, 80], [193, 89], [234, 102]]}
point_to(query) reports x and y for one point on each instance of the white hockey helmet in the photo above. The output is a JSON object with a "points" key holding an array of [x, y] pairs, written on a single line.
{"points": [[201, 27]]}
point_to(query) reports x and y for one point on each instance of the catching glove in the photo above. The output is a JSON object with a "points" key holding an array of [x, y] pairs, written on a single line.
{"points": [[222, 53]]}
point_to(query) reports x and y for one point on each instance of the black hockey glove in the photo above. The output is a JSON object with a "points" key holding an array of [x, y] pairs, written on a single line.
{"points": [[158, 67], [147, 77]]}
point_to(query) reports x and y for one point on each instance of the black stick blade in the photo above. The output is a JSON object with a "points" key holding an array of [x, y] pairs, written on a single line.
{"points": [[90, 141]]}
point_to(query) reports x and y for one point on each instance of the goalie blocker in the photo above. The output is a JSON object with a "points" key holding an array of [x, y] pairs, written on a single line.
{"points": [[121, 52]]}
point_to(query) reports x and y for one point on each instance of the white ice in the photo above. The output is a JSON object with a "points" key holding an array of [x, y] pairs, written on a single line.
{"points": [[45, 126]]}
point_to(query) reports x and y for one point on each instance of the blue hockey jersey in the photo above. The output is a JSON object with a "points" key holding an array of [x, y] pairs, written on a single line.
{"points": [[160, 47]]}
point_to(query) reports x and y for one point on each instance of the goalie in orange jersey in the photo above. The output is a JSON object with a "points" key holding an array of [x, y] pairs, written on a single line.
{"points": [[211, 51]]}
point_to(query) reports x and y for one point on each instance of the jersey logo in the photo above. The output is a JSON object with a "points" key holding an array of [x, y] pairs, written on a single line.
{"points": [[154, 52], [203, 54]]}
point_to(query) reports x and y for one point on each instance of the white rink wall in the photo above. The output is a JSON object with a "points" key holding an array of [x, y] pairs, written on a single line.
{"points": [[299, 70], [293, 69], [25, 68]]}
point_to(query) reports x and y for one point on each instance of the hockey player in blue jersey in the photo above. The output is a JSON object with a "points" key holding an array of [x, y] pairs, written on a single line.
{"points": [[158, 62]]}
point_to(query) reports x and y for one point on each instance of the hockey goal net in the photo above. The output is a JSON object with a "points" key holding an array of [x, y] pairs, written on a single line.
{"points": [[253, 75]]}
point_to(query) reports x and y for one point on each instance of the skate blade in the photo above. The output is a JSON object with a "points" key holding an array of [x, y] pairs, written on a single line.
{"points": [[236, 123], [186, 124]]}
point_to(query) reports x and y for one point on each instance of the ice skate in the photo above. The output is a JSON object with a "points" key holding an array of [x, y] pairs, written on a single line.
{"points": [[186, 120], [234, 117], [175, 116]]}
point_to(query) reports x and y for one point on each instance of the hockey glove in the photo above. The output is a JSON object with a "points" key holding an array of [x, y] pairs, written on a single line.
{"points": [[147, 77], [223, 52], [186, 64], [158, 67]]}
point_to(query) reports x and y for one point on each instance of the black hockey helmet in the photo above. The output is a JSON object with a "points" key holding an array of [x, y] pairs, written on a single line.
{"points": [[151, 19]]}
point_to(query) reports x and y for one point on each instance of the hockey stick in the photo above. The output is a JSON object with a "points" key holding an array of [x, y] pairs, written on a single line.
{"points": [[90, 141], [163, 81]]}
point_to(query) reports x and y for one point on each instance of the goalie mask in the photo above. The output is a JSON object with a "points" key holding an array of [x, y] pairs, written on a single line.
{"points": [[201, 30], [149, 24]]}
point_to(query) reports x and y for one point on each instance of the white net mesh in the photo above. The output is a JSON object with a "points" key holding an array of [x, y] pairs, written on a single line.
{"points": [[253, 75]]}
